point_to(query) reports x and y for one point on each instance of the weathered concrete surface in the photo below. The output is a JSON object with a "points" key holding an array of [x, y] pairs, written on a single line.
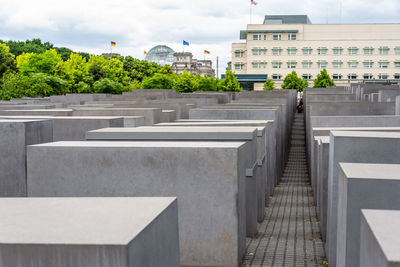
{"points": [[356, 147], [73, 128], [362, 186], [207, 177], [25, 107], [380, 243], [15, 135], [37, 112], [151, 115], [255, 183], [82, 232], [168, 115]]}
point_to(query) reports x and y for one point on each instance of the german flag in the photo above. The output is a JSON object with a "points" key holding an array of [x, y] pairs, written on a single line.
{"points": [[207, 52], [113, 43], [144, 52]]}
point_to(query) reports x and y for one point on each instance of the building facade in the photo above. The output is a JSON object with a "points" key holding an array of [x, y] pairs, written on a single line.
{"points": [[185, 61], [349, 52]]}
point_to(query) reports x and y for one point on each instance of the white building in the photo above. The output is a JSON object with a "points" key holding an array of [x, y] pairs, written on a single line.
{"points": [[349, 52]]}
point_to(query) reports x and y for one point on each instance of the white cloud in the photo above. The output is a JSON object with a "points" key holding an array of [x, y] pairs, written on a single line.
{"points": [[137, 25]]}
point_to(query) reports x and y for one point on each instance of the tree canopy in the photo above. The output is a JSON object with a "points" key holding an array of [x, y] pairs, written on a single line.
{"points": [[323, 80], [292, 81], [269, 84]]}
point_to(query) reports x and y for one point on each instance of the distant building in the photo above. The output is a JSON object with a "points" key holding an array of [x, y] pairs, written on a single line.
{"points": [[185, 61], [161, 54], [111, 55], [349, 52]]}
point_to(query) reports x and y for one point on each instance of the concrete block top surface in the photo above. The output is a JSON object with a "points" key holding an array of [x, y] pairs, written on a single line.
{"points": [[87, 221], [394, 135], [175, 133], [370, 171], [141, 144], [64, 117], [210, 122], [356, 128], [96, 108], [20, 121], [322, 139], [384, 225]]}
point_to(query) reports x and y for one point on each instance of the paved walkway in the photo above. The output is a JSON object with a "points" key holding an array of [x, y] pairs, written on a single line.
{"points": [[290, 234]]}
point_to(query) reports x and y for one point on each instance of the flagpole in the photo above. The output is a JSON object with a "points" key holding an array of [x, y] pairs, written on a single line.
{"points": [[250, 13]]}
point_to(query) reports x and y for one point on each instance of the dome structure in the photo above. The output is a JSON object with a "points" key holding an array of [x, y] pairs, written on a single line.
{"points": [[161, 54]]}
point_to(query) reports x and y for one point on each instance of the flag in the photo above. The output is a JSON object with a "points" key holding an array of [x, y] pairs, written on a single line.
{"points": [[144, 52], [253, 2], [113, 43], [207, 52], [185, 43]]}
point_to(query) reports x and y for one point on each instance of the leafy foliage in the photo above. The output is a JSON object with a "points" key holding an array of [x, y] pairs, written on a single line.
{"points": [[230, 83], [158, 81], [323, 80], [185, 83], [49, 62], [292, 81], [269, 84], [108, 86], [207, 84]]}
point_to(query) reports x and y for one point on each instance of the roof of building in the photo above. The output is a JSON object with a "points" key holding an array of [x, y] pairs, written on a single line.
{"points": [[286, 19]]}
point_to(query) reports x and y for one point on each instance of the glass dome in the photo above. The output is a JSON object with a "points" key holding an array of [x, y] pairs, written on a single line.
{"points": [[161, 54]]}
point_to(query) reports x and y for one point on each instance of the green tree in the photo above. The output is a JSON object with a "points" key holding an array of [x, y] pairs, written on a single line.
{"points": [[75, 69], [7, 60], [185, 83], [167, 70], [230, 83], [64, 52], [43, 84], [158, 81], [323, 80], [108, 86], [49, 62], [207, 84], [292, 81], [140, 69], [112, 68], [269, 84], [14, 85]]}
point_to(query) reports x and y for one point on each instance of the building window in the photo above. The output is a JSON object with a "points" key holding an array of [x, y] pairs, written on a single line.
{"points": [[265, 37], [306, 76], [368, 76], [383, 64], [353, 50], [353, 64], [352, 76], [292, 36], [276, 77], [322, 51], [307, 51], [276, 36], [368, 50], [383, 76], [368, 64], [397, 64], [256, 51], [397, 50], [306, 64], [239, 66], [292, 51], [291, 64], [337, 50], [384, 50], [259, 64], [322, 64], [256, 37], [276, 51], [337, 64], [276, 64], [397, 76], [337, 76], [239, 53]]}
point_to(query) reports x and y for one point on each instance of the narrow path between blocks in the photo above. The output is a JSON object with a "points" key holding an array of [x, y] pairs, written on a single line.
{"points": [[290, 233]]}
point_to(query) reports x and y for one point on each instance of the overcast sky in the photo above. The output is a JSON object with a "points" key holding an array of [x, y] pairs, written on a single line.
{"points": [[138, 25]]}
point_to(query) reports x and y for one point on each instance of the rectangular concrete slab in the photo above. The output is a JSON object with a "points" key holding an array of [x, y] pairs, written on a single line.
{"points": [[362, 186], [356, 147], [207, 177], [81, 232], [379, 239], [15, 135]]}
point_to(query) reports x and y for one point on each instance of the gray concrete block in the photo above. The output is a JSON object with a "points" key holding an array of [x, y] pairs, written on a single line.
{"points": [[168, 115], [362, 186], [380, 238], [397, 105], [37, 112], [74, 128], [15, 135], [322, 182], [124, 232], [255, 184], [357, 147], [25, 107], [208, 179], [151, 115]]}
